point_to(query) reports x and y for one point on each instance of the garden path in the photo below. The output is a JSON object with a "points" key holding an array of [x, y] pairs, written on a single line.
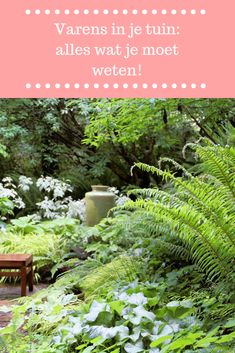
{"points": [[8, 296]]}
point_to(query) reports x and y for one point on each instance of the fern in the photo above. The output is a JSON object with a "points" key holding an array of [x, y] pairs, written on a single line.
{"points": [[123, 268], [222, 311], [201, 211], [170, 248], [218, 161], [93, 277]]}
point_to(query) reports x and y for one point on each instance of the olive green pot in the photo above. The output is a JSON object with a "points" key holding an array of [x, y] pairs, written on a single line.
{"points": [[98, 202]]}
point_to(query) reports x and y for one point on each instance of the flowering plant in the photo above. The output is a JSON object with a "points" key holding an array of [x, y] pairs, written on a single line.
{"points": [[9, 198], [56, 200]]}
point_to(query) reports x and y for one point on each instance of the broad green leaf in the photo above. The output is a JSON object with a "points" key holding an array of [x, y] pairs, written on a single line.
{"points": [[117, 306], [160, 340], [213, 332], [205, 342], [185, 341], [104, 318], [230, 323], [98, 339], [153, 301], [78, 348], [227, 338]]}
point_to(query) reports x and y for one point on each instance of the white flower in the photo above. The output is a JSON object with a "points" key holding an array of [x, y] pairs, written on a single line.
{"points": [[58, 192], [25, 183], [48, 208], [49, 184], [46, 204], [45, 183], [19, 203], [76, 208], [7, 180], [6, 192]]}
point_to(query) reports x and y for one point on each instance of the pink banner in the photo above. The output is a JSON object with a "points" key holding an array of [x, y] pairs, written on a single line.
{"points": [[70, 48]]}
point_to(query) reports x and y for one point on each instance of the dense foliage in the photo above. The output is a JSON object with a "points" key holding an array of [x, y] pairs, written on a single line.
{"points": [[92, 140], [200, 210], [156, 277]]}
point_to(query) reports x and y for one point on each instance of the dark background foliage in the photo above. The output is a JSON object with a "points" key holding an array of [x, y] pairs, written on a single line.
{"points": [[98, 140]]}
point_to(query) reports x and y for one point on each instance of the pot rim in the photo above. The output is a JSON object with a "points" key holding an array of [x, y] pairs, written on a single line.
{"points": [[100, 187]]}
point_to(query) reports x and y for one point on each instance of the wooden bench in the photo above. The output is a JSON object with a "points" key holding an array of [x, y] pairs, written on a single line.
{"points": [[23, 264]]}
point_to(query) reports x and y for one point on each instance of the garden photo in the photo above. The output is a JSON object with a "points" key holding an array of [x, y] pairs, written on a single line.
{"points": [[117, 225]]}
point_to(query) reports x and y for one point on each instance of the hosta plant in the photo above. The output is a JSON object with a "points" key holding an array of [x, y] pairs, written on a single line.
{"points": [[130, 319]]}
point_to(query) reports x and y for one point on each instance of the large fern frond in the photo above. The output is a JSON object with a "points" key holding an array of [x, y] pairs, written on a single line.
{"points": [[219, 162], [200, 209]]}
